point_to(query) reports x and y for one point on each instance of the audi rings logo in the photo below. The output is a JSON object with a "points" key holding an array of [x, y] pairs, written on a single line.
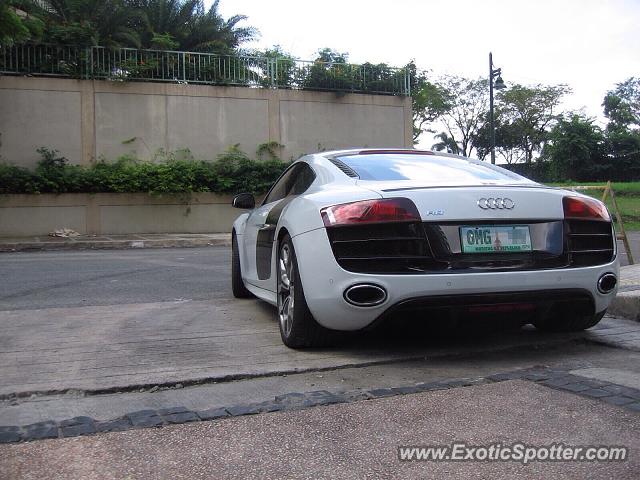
{"points": [[496, 203]]}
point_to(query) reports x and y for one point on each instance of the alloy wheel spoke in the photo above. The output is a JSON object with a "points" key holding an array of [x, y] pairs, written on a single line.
{"points": [[286, 290], [284, 267]]}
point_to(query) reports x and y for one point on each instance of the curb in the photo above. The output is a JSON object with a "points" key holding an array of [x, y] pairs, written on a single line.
{"points": [[627, 305], [113, 244], [610, 393]]}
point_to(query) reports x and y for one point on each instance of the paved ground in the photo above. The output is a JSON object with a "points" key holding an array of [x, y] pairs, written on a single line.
{"points": [[354, 440], [160, 327], [584, 359], [86, 335]]}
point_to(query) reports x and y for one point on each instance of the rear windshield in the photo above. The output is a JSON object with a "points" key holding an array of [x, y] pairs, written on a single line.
{"points": [[428, 168]]}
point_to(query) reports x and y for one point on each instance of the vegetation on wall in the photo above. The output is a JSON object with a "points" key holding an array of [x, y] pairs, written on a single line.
{"points": [[19, 22], [171, 172], [59, 32]]}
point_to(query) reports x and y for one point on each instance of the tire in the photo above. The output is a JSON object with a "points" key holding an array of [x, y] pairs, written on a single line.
{"points": [[237, 285], [298, 328], [568, 323]]}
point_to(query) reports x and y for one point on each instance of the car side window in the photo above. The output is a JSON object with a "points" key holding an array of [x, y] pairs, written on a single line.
{"points": [[303, 180], [294, 181], [281, 188]]}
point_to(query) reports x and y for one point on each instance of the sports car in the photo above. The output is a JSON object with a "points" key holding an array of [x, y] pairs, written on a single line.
{"points": [[345, 239]]}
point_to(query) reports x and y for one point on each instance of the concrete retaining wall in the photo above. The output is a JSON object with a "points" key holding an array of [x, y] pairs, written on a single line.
{"points": [[87, 119], [115, 213]]}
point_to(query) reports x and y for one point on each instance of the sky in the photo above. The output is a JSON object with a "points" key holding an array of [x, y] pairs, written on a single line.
{"points": [[588, 44]]}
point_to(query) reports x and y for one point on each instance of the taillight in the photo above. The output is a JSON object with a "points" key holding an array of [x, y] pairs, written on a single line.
{"points": [[584, 209], [371, 211]]}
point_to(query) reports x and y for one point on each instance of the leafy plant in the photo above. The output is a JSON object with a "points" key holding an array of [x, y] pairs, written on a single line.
{"points": [[18, 180], [133, 68], [163, 41], [15, 28], [276, 65], [330, 71], [169, 172], [270, 149]]}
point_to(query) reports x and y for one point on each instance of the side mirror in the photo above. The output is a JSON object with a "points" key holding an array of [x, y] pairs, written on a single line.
{"points": [[244, 200]]}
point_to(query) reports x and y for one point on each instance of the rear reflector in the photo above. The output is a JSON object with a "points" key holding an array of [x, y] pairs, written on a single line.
{"points": [[371, 211], [579, 208]]}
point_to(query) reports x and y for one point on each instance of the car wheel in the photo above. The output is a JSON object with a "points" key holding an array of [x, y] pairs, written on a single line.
{"points": [[237, 285], [298, 328], [568, 323]]}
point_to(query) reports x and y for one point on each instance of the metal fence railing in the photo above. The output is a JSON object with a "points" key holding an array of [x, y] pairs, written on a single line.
{"points": [[128, 64]]}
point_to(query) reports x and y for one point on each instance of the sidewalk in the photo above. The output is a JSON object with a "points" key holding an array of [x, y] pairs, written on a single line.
{"points": [[355, 440], [95, 242], [627, 302]]}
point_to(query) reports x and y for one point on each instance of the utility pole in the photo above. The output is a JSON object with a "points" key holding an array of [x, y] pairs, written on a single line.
{"points": [[499, 85]]}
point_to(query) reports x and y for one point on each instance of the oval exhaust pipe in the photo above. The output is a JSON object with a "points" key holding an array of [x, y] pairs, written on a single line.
{"points": [[607, 282], [365, 295]]}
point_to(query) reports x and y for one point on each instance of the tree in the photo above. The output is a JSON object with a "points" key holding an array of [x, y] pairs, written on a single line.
{"points": [[19, 22], [286, 74], [212, 31], [165, 23], [190, 26], [523, 117], [330, 56], [446, 143], [622, 105], [109, 23], [429, 100], [329, 70], [157, 24], [576, 149], [469, 102], [623, 148], [526, 114], [507, 141], [622, 108]]}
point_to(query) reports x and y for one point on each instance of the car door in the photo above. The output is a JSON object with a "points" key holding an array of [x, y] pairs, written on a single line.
{"points": [[261, 226]]}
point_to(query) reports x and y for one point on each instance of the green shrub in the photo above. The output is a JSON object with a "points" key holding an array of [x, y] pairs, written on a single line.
{"points": [[176, 172], [18, 180]]}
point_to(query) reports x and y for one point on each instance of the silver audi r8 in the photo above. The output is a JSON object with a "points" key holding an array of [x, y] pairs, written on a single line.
{"points": [[344, 239]]}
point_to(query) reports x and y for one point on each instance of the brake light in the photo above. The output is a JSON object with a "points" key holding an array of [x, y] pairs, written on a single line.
{"points": [[400, 151], [371, 211], [584, 209]]}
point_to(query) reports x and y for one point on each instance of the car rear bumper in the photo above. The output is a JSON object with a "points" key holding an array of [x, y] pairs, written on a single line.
{"points": [[325, 282]]}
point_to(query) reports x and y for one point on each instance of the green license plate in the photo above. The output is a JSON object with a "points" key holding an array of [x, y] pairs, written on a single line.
{"points": [[495, 239]]}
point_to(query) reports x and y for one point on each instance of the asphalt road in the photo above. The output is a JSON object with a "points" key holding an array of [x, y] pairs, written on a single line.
{"points": [[30, 280]]}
